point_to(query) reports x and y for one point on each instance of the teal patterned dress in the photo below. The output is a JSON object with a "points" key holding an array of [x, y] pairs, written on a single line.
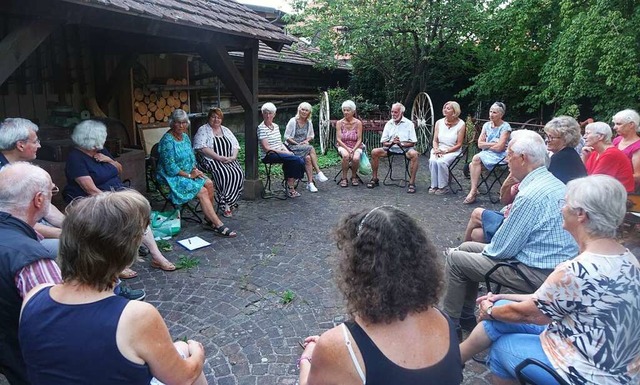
{"points": [[176, 156]]}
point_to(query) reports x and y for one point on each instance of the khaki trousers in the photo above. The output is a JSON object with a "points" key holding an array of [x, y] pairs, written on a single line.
{"points": [[465, 267]]}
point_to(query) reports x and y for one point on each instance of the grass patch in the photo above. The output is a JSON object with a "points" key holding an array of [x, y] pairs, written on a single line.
{"points": [[164, 245], [287, 296], [186, 262]]}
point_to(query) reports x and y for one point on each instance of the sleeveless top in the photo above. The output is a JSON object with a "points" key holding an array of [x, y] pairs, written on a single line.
{"points": [[76, 344], [381, 370], [349, 137], [448, 136], [630, 149]]}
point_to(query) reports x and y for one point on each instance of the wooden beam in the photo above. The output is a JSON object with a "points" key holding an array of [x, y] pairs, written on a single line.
{"points": [[220, 62], [119, 76], [16, 47], [250, 70]]}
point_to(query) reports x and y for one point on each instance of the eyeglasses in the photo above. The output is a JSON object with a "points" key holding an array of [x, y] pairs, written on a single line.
{"points": [[54, 190], [35, 141], [183, 123], [562, 202], [549, 138]]}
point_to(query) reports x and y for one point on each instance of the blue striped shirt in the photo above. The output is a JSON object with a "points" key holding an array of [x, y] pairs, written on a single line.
{"points": [[533, 233]]}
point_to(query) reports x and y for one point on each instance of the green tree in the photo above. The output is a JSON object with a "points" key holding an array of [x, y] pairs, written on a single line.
{"points": [[409, 45], [560, 55]]}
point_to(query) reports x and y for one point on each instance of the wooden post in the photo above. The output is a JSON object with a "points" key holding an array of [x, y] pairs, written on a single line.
{"points": [[253, 184]]}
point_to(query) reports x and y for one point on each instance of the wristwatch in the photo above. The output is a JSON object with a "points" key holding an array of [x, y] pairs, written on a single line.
{"points": [[489, 311]]}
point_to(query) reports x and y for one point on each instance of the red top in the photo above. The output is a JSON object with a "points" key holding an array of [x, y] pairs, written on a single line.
{"points": [[612, 162]]}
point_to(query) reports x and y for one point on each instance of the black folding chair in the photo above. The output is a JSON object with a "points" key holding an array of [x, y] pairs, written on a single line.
{"points": [[267, 192], [513, 265], [400, 182], [164, 190], [336, 177], [524, 379], [452, 166], [495, 176]]}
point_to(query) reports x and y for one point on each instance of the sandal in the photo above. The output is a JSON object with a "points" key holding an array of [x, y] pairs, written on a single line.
{"points": [[354, 182], [226, 211], [221, 230], [292, 193], [471, 198], [165, 266], [432, 190], [344, 182], [411, 189], [127, 274], [373, 183]]}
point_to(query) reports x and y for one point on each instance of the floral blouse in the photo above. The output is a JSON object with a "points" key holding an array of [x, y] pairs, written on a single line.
{"points": [[594, 303]]}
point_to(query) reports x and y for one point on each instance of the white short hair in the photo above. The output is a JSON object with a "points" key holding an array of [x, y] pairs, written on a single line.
{"points": [[400, 105], [304, 106], [13, 130], [601, 128], [501, 106], [90, 135], [19, 183], [565, 126], [603, 198], [268, 107], [629, 116], [348, 104], [531, 144], [178, 115]]}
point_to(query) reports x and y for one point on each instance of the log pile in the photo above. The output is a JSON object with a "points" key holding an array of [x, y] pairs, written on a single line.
{"points": [[156, 106]]}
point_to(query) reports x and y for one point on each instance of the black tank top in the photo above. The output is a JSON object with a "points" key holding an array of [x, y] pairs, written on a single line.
{"points": [[380, 370]]}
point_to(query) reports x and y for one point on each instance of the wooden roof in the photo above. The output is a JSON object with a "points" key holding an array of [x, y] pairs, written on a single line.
{"points": [[224, 16]]}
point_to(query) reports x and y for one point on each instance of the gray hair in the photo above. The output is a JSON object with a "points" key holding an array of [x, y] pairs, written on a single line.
{"points": [[13, 130], [268, 107], [567, 127], [529, 143], [349, 104], [628, 116], [90, 135], [603, 198], [304, 106], [401, 106], [19, 183], [501, 106], [178, 115], [601, 128]]}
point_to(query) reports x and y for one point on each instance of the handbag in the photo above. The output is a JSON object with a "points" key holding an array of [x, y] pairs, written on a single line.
{"points": [[365, 165], [165, 224]]}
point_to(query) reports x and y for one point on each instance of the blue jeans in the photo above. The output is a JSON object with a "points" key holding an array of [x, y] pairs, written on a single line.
{"points": [[292, 165], [512, 343]]}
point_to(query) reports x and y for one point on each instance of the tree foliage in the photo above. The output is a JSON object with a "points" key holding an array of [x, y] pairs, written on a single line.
{"points": [[401, 46], [564, 54]]}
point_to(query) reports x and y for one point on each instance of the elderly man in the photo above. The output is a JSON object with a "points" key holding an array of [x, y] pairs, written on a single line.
{"points": [[398, 136], [25, 198], [531, 235], [19, 142]]}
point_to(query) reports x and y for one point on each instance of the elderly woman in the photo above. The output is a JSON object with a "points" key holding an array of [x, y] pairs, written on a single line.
{"points": [[217, 153], [391, 277], [349, 143], [448, 136], [493, 143], [601, 157], [562, 136], [627, 125], [298, 134], [583, 320], [91, 169], [177, 169], [91, 335], [272, 150]]}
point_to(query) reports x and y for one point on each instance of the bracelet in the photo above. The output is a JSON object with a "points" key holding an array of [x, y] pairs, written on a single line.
{"points": [[302, 358], [189, 175]]}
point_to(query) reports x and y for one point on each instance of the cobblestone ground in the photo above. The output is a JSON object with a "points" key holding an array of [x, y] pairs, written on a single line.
{"points": [[232, 301]]}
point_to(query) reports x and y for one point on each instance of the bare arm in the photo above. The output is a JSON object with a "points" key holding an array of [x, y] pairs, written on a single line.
{"points": [[86, 183], [102, 158], [55, 217], [436, 143], [514, 312], [48, 231], [506, 196], [339, 134], [143, 336], [501, 145], [635, 162], [265, 146]]}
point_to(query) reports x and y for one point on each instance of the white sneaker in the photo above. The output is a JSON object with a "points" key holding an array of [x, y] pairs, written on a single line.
{"points": [[320, 177], [312, 187]]}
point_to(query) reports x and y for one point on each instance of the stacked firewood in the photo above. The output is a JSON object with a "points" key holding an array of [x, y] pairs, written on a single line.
{"points": [[156, 106]]}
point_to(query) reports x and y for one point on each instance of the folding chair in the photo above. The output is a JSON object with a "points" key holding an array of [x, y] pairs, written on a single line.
{"points": [[164, 190], [524, 379], [266, 192], [400, 182], [335, 178], [513, 265], [452, 166], [497, 175]]}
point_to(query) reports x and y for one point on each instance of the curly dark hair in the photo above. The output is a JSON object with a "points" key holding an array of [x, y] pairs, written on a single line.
{"points": [[388, 265]]}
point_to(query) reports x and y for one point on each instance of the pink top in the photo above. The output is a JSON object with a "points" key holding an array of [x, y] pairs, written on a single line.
{"points": [[630, 149], [349, 137]]}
